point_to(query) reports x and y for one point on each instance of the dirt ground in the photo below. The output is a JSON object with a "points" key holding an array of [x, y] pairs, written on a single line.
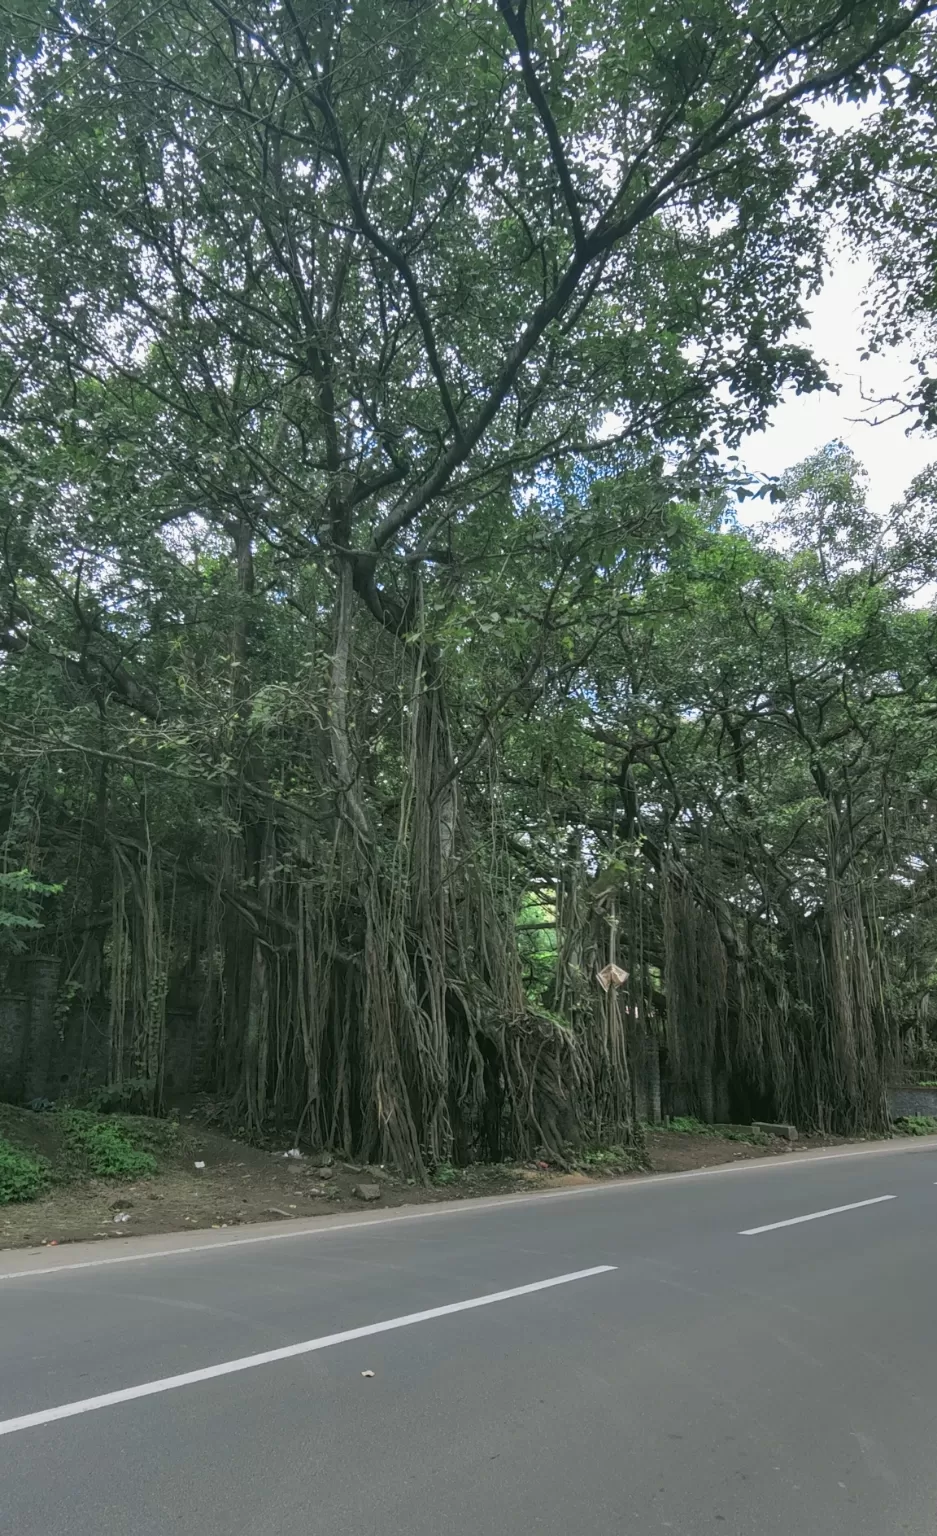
{"points": [[240, 1183], [675, 1152]]}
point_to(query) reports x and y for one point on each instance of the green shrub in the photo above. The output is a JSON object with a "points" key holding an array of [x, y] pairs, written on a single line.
{"points": [[22, 1177], [916, 1125], [445, 1173], [161, 1137], [20, 902], [134, 1096], [105, 1147]]}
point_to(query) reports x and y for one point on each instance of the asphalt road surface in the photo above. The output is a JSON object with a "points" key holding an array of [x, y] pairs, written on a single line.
{"points": [[685, 1354]]}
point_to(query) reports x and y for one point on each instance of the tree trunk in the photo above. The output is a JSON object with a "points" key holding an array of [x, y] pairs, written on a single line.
{"points": [[349, 800], [653, 1078]]}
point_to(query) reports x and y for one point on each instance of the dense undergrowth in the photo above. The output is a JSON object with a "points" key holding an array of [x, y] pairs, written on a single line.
{"points": [[59, 1147], [22, 1177]]}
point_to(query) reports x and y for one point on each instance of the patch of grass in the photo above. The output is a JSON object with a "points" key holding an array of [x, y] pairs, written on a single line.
{"points": [[609, 1159], [104, 1147], [164, 1138], [916, 1125], [21, 1177], [688, 1125], [475, 1176], [746, 1133]]}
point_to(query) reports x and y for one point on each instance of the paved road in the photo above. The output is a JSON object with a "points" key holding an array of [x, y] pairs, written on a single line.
{"points": [[695, 1380]]}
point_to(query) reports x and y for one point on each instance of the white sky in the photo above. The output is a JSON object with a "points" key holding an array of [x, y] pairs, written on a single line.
{"points": [[802, 424]]}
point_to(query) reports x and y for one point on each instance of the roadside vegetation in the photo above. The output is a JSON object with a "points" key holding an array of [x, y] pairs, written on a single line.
{"points": [[687, 1125], [426, 734], [43, 1150], [916, 1125], [68, 1174], [22, 1177]]}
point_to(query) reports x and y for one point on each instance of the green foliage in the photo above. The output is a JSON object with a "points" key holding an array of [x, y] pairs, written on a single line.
{"points": [[881, 174], [105, 1147], [688, 1125], [133, 1095], [22, 1176], [20, 904], [537, 945], [916, 1125], [445, 1174], [334, 618], [158, 1137]]}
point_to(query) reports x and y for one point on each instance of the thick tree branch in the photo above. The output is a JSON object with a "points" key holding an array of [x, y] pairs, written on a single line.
{"points": [[516, 23]]}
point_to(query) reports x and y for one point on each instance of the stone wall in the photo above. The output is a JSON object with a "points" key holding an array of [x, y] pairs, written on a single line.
{"points": [[29, 1030], [14, 1031], [912, 1101], [51, 1048]]}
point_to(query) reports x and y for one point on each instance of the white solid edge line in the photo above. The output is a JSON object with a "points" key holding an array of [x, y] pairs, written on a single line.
{"points": [[288, 1352], [795, 1221], [321, 1226]]}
